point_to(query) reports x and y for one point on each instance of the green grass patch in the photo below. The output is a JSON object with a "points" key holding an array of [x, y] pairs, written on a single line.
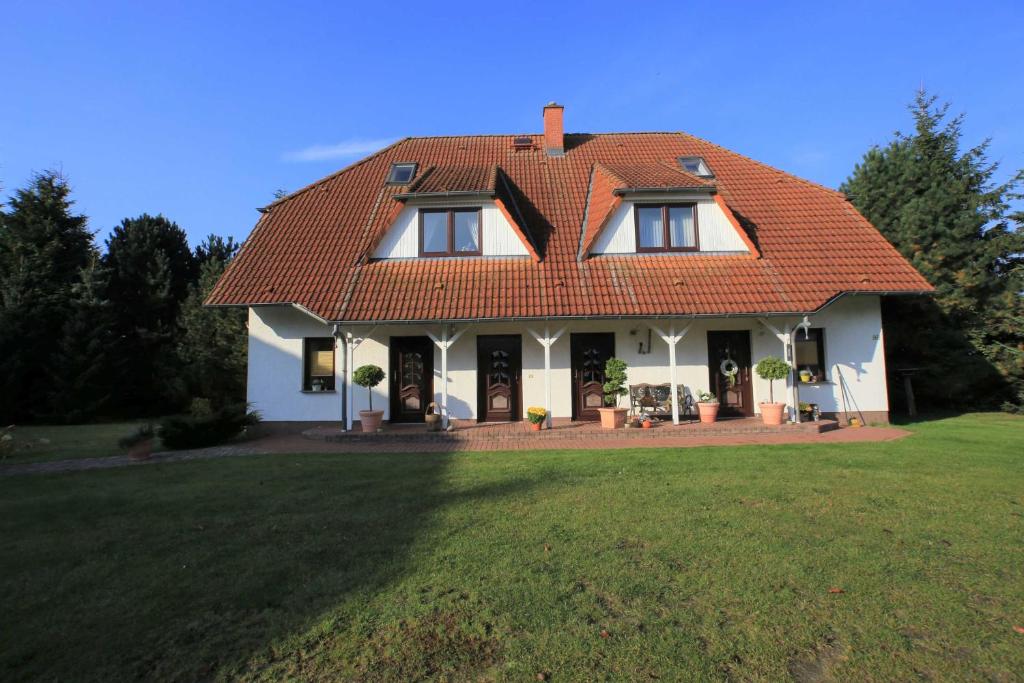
{"points": [[674, 564], [40, 443]]}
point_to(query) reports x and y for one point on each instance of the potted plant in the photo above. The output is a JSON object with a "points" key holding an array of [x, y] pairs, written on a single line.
{"points": [[432, 418], [139, 444], [369, 376], [707, 406], [536, 415], [612, 416], [771, 369], [806, 376]]}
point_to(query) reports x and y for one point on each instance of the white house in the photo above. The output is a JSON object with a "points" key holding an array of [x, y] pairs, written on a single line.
{"points": [[487, 274]]}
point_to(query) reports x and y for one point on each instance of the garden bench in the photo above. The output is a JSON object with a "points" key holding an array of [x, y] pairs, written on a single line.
{"points": [[655, 400]]}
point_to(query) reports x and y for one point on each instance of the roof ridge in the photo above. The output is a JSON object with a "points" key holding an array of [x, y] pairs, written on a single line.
{"points": [[331, 176], [762, 164]]}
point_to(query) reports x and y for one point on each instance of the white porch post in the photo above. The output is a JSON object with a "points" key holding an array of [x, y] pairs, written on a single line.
{"points": [[444, 343], [672, 339], [546, 341], [339, 339], [785, 335]]}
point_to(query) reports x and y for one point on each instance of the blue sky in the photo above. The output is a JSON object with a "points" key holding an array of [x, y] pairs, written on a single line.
{"points": [[200, 111]]}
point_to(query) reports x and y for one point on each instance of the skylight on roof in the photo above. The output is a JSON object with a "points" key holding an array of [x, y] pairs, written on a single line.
{"points": [[401, 173], [697, 166]]}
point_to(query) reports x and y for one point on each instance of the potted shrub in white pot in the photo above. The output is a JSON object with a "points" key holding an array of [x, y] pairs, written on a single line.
{"points": [[369, 376], [707, 407], [612, 416], [771, 369]]}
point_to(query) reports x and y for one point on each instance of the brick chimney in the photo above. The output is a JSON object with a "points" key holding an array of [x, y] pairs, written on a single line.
{"points": [[554, 129]]}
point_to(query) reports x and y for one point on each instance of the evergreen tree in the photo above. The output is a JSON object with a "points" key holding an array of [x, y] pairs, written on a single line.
{"points": [[213, 342], [82, 368], [217, 248], [150, 269], [941, 209], [43, 248]]}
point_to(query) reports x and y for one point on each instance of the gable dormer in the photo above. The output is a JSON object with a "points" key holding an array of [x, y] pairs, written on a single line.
{"points": [[657, 208], [456, 212]]}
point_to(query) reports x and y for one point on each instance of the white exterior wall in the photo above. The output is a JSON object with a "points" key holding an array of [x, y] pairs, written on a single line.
{"points": [[275, 366], [853, 340], [715, 232], [498, 238]]}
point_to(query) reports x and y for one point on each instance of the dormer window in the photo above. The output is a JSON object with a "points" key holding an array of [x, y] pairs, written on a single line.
{"points": [[697, 166], [450, 232], [666, 227], [401, 173]]}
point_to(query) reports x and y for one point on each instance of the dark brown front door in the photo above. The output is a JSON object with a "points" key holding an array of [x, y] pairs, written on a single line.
{"points": [[412, 378], [736, 397], [498, 371], [589, 353]]}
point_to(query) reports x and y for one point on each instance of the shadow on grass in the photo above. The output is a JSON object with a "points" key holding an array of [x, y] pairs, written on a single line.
{"points": [[193, 572]]}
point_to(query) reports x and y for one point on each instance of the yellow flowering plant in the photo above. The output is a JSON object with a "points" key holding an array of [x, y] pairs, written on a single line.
{"points": [[536, 415]]}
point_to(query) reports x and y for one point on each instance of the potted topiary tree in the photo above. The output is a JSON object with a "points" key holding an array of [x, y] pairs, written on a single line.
{"points": [[771, 369], [612, 416], [707, 406], [369, 376]]}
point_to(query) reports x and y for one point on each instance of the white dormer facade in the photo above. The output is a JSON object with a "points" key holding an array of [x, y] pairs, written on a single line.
{"points": [[497, 236], [715, 232]]}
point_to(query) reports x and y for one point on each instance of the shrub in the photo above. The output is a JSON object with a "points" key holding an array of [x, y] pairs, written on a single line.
{"points": [[772, 368], [140, 435], [614, 381], [368, 376], [202, 431]]}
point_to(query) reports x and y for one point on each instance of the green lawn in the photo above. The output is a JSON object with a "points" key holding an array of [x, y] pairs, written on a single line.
{"points": [[37, 443], [696, 564]]}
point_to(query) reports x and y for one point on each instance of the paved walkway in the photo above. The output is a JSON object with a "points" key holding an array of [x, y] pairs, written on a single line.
{"points": [[296, 443]]}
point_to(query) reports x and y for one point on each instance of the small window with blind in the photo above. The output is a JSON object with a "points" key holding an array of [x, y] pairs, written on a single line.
{"points": [[666, 227], [810, 354], [318, 364]]}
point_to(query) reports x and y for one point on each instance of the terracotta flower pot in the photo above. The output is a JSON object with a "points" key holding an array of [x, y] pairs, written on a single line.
{"points": [[708, 412], [536, 426], [612, 418], [370, 420], [142, 450], [646, 424], [771, 413]]}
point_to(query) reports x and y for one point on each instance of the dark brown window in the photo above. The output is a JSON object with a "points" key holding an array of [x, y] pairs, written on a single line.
{"points": [[810, 352], [318, 364], [666, 227], [450, 232]]}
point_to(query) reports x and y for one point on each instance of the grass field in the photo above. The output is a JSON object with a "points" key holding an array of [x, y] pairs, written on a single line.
{"points": [[695, 564], [39, 443]]}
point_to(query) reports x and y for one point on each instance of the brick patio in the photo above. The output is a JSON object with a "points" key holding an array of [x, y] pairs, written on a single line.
{"points": [[569, 435], [519, 433]]}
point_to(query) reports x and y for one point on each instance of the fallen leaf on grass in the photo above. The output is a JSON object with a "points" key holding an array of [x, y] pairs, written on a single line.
{"points": [[604, 633], [835, 589], [1019, 629]]}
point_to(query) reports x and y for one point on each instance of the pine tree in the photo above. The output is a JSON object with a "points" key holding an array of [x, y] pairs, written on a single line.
{"points": [[43, 248], [150, 269], [941, 209], [81, 370], [213, 341]]}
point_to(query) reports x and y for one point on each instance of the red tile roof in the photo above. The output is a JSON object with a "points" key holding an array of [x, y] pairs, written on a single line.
{"points": [[311, 248]]}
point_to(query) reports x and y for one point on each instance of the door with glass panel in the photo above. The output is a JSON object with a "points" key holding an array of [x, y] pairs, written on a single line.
{"points": [[412, 378], [499, 370], [588, 354]]}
